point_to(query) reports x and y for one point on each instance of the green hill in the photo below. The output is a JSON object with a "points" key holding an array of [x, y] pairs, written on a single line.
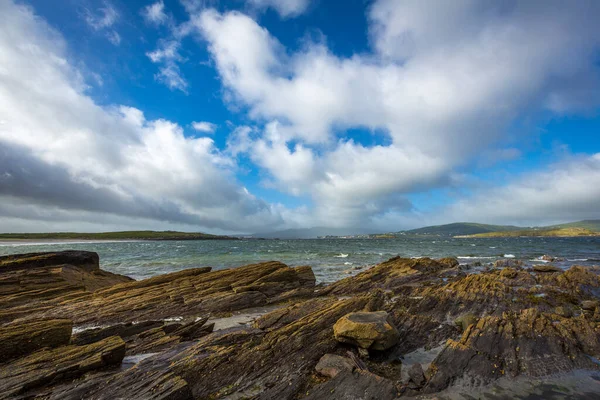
{"points": [[461, 228], [126, 235], [545, 232], [592, 225]]}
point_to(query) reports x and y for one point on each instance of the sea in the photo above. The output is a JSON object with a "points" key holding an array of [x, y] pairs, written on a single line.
{"points": [[331, 259]]}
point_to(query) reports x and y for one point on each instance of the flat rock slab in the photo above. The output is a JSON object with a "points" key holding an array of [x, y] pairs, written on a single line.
{"points": [[357, 385], [368, 330], [331, 364], [55, 365]]}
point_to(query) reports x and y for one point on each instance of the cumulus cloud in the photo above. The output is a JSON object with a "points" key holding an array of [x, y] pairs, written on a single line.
{"points": [[102, 20], [59, 151], [204, 126], [443, 88], [285, 8]]}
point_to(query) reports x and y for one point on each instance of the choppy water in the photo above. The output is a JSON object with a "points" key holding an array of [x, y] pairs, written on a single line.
{"points": [[331, 259]]}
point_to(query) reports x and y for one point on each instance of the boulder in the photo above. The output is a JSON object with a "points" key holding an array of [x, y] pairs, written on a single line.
{"points": [[23, 338], [589, 305], [331, 364], [546, 268], [368, 330], [450, 262]]}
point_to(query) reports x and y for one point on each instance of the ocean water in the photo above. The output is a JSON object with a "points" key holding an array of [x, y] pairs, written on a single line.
{"points": [[331, 259]]}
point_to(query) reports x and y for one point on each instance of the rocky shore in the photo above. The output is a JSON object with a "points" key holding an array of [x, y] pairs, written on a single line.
{"points": [[404, 328]]}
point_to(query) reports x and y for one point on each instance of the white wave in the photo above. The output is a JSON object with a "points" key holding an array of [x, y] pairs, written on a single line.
{"points": [[348, 263], [578, 259], [474, 257], [341, 255], [509, 256]]}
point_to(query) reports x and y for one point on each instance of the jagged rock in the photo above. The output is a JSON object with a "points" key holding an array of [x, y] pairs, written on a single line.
{"points": [[546, 257], [546, 268], [416, 375], [368, 330], [186, 293], [357, 385], [51, 366], [331, 364], [526, 343], [390, 274], [86, 260], [20, 339]]}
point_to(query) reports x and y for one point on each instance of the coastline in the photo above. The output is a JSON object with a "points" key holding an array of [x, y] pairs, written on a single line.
{"points": [[268, 330]]}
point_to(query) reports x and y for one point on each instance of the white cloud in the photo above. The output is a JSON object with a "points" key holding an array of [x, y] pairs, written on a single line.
{"points": [[155, 13], [167, 55], [285, 8], [444, 95], [60, 153], [203, 126], [566, 191], [102, 20]]}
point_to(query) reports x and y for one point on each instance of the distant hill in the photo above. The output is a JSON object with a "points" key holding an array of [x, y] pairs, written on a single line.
{"points": [[591, 224], [126, 235], [460, 229], [545, 232]]}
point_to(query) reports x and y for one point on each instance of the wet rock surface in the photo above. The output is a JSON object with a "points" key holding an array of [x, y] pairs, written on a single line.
{"points": [[296, 341]]}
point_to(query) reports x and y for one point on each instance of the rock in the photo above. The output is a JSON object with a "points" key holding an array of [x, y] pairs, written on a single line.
{"points": [[357, 385], [51, 366], [21, 339], [509, 273], [330, 365], [466, 320], [548, 258], [449, 262], [589, 305], [546, 268], [183, 294], [564, 311], [526, 343], [31, 283], [389, 274], [508, 263], [86, 260], [123, 330], [368, 330], [416, 375]]}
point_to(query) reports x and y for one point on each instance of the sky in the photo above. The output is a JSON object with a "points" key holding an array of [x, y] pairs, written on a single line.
{"points": [[250, 116]]}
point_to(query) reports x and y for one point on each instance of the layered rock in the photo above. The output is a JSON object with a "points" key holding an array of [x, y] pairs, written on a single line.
{"points": [[21, 339], [50, 366], [38, 281], [193, 292]]}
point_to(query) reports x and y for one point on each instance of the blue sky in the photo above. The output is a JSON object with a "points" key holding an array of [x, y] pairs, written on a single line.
{"points": [[259, 115]]}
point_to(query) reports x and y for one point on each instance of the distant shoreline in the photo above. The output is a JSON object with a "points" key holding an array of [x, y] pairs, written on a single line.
{"points": [[109, 236]]}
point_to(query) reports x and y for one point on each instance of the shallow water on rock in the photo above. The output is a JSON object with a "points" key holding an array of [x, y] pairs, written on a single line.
{"points": [[331, 259]]}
